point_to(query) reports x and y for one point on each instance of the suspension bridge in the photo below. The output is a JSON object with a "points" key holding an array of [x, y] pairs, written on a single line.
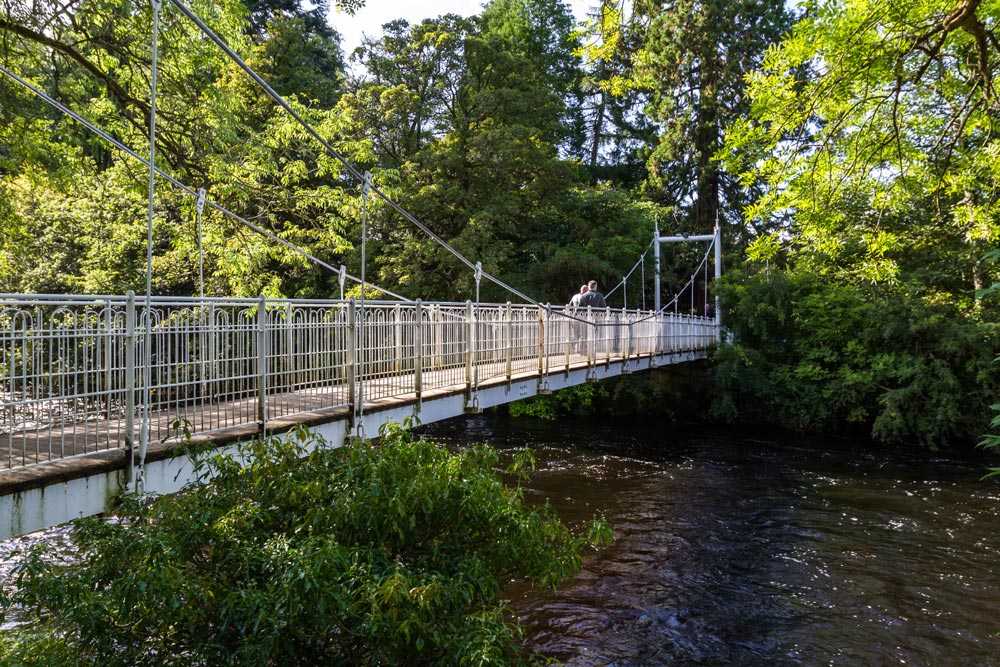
{"points": [[101, 394]]}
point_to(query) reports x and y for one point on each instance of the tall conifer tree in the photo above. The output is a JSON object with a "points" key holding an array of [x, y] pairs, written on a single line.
{"points": [[693, 61]]}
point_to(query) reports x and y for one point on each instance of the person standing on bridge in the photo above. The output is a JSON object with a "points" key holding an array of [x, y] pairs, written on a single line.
{"points": [[574, 302], [592, 298], [578, 330]]}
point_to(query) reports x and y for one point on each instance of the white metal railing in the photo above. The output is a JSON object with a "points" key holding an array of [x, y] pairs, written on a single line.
{"points": [[72, 368]]}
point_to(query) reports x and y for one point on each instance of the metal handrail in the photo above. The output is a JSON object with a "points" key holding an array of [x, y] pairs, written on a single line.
{"points": [[72, 367]]}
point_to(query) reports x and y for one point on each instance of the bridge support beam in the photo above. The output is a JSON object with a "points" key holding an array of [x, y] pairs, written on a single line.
{"points": [[715, 237]]}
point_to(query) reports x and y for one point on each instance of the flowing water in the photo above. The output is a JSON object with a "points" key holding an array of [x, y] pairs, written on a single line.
{"points": [[735, 549], [739, 549]]}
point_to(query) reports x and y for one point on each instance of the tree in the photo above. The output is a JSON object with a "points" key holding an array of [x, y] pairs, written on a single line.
{"points": [[476, 124], [818, 355], [298, 52], [411, 92], [885, 108], [617, 132], [693, 60], [94, 56], [870, 140], [213, 126], [542, 32], [363, 555]]}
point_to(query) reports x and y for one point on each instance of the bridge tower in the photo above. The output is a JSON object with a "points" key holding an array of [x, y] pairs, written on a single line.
{"points": [[715, 238]]}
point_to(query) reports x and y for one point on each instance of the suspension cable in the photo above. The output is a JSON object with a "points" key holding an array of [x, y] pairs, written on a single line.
{"points": [[218, 207], [676, 298], [642, 282], [351, 169], [705, 283], [631, 271]]}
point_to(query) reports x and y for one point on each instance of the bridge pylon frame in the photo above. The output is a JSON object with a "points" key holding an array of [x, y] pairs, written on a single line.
{"points": [[715, 237]]}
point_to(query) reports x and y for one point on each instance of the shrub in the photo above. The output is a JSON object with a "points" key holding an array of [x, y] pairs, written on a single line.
{"points": [[362, 555]]}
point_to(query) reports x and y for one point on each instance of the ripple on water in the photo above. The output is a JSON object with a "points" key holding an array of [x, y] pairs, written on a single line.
{"points": [[746, 551], [58, 545]]}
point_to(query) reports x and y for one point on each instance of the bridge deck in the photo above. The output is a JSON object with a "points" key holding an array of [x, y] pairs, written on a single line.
{"points": [[61, 441], [73, 371]]}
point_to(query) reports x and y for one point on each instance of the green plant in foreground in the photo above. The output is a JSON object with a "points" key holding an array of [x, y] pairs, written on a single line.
{"points": [[362, 555]]}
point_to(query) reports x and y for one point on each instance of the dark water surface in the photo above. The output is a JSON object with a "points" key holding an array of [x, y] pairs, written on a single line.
{"points": [[739, 549]]}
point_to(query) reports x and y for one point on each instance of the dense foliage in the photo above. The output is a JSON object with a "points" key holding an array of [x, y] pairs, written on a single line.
{"points": [[874, 360], [860, 301], [395, 554], [474, 125]]}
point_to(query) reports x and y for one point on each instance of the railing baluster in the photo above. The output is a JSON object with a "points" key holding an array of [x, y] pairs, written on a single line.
{"points": [[509, 340], [130, 378], [470, 344], [291, 365], [397, 336], [541, 339], [548, 335], [262, 364]]}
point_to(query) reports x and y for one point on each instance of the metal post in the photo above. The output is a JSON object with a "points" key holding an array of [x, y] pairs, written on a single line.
{"points": [[656, 268], [108, 360], [568, 337], [470, 344], [397, 338], [608, 340], [718, 276], [541, 340], [475, 328], [509, 335], [343, 277], [130, 378], [591, 336], [262, 364], [628, 340], [548, 333], [419, 356], [352, 356], [438, 336], [212, 360], [290, 343]]}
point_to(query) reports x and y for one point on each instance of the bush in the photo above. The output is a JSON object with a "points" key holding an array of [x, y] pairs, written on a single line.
{"points": [[894, 363], [362, 555]]}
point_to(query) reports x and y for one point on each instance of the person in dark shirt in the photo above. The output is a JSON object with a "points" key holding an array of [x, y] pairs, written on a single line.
{"points": [[593, 298]]}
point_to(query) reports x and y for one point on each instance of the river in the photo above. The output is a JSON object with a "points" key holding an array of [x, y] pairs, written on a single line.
{"points": [[740, 549], [733, 548]]}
